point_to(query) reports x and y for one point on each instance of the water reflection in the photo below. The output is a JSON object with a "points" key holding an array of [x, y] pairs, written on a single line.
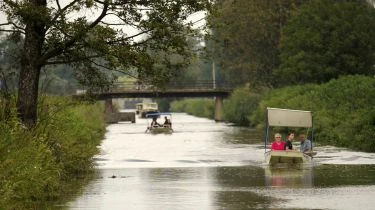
{"points": [[348, 187], [230, 188], [235, 188], [292, 177], [337, 175], [240, 135]]}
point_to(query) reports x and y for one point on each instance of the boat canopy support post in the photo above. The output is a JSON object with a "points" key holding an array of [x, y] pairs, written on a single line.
{"points": [[266, 137]]}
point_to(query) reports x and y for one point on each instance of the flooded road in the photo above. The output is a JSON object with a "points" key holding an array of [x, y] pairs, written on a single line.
{"points": [[208, 165]]}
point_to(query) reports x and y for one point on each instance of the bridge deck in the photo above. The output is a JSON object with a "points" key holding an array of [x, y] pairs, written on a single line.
{"points": [[200, 89], [159, 93]]}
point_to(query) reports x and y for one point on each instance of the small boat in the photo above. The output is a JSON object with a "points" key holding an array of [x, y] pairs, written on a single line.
{"points": [[277, 117], [287, 157], [160, 129], [156, 128]]}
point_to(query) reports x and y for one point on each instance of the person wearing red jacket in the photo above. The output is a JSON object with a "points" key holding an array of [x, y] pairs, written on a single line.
{"points": [[278, 144]]}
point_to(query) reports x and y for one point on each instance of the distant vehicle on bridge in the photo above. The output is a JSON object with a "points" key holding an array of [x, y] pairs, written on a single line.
{"points": [[143, 109]]}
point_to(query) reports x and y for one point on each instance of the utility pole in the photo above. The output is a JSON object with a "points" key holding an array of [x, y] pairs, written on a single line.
{"points": [[213, 75]]}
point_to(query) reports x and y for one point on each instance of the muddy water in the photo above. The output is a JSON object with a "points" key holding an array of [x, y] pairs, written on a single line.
{"points": [[208, 165]]}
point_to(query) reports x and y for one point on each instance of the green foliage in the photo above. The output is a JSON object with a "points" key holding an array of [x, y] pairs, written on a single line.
{"points": [[164, 104], [327, 39], [58, 80], [347, 110], [293, 97], [197, 107], [245, 37], [240, 105], [73, 140], [35, 163], [342, 110]]}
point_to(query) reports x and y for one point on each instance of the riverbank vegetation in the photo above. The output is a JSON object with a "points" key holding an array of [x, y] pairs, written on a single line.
{"points": [[342, 109], [36, 163]]}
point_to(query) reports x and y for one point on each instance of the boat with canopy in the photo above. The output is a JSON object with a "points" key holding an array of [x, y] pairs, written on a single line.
{"points": [[154, 127], [277, 117]]}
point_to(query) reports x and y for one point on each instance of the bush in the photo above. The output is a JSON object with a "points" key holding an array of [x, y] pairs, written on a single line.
{"points": [[293, 97], [346, 107], [342, 110], [197, 107], [240, 106], [35, 163], [73, 131]]}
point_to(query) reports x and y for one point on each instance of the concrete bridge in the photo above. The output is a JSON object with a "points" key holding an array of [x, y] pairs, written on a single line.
{"points": [[198, 89]]}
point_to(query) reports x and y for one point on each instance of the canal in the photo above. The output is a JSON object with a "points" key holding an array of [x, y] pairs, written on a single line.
{"points": [[207, 165]]}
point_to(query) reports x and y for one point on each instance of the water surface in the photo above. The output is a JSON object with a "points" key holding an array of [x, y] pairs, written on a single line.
{"points": [[208, 165]]}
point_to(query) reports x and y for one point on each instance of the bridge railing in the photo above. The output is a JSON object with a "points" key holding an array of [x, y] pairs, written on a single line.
{"points": [[200, 84], [137, 86]]}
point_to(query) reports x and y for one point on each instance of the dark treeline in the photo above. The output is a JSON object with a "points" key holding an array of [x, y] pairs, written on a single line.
{"points": [[276, 43]]}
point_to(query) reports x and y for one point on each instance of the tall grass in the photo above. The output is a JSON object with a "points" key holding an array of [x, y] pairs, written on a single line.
{"points": [[34, 163]]}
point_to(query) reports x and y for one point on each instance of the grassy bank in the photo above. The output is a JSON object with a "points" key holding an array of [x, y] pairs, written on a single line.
{"points": [[343, 109], [34, 164]]}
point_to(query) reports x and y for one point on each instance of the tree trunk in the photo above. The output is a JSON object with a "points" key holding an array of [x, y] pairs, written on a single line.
{"points": [[31, 65], [28, 92]]}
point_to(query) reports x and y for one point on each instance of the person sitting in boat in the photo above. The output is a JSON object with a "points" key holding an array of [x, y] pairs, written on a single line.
{"points": [[305, 144], [154, 122], [289, 141], [167, 122], [278, 144]]}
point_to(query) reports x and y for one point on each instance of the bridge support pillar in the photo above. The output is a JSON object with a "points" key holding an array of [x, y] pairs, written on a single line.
{"points": [[110, 115], [219, 109], [108, 106]]}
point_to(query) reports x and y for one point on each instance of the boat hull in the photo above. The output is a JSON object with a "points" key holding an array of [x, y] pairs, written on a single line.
{"points": [[286, 157], [156, 130]]}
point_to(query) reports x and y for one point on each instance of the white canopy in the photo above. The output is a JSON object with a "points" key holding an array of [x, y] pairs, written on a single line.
{"points": [[289, 118]]}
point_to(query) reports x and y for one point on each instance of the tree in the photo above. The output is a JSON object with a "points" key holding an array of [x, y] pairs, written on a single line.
{"points": [[92, 35], [246, 34], [327, 39]]}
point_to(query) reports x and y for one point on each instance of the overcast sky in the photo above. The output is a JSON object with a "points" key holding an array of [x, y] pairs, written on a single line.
{"points": [[198, 18]]}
